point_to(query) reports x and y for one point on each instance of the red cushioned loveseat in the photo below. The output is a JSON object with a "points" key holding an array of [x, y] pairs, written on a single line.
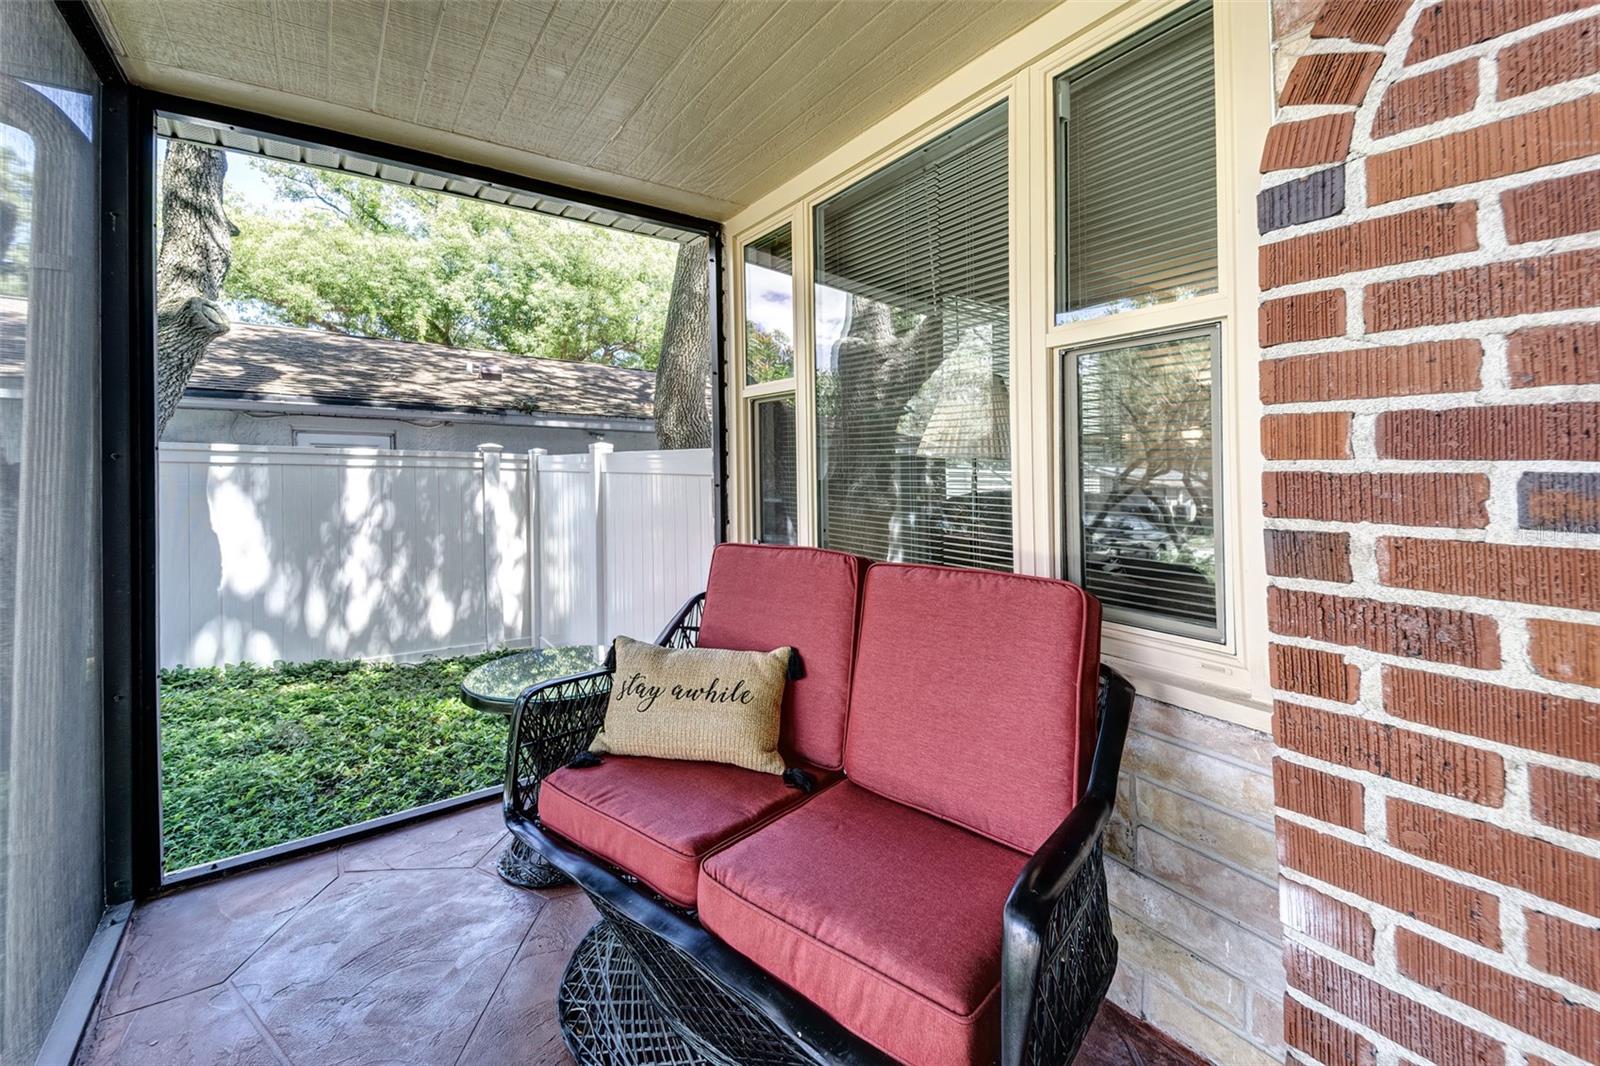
{"points": [[930, 890]]}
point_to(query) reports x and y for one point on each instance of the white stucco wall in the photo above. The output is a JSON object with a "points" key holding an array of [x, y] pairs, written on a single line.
{"points": [[193, 425]]}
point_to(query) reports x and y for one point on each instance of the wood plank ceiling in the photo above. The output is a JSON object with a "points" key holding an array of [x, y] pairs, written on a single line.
{"points": [[700, 105]]}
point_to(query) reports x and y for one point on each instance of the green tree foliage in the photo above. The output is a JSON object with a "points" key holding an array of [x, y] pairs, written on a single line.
{"points": [[365, 257], [16, 214], [769, 354]]}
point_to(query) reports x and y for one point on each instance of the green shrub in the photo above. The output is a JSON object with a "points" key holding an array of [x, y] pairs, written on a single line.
{"points": [[253, 756]]}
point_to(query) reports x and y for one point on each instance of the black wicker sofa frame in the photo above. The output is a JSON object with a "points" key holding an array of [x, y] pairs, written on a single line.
{"points": [[649, 985]]}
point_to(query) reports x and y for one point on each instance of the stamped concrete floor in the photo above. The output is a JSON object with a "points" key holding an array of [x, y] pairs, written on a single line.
{"points": [[401, 948]]}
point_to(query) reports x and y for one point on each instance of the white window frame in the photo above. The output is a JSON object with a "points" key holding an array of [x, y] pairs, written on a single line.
{"points": [[1226, 679]]}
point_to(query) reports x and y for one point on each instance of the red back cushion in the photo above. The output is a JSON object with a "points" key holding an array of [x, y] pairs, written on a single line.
{"points": [[760, 597], [974, 697]]}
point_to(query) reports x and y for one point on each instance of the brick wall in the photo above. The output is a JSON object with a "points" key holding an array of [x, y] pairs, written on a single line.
{"points": [[1430, 322], [1193, 882]]}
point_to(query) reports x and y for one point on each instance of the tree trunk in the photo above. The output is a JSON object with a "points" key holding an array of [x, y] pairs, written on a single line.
{"points": [[196, 248], [876, 372], [683, 411]]}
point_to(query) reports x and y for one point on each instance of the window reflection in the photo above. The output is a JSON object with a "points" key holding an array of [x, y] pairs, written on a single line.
{"points": [[913, 355]]}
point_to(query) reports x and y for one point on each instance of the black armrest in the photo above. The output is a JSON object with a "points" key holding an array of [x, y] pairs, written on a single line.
{"points": [[554, 720], [1057, 908]]}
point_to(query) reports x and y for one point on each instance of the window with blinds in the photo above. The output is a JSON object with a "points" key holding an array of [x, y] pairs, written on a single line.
{"points": [[1145, 524], [776, 484], [769, 308], [913, 355], [1136, 150]]}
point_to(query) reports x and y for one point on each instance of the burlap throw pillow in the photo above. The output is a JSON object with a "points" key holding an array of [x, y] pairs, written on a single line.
{"points": [[706, 704]]}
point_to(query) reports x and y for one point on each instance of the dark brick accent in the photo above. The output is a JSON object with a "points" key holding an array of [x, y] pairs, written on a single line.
{"points": [[1307, 199], [1559, 502]]}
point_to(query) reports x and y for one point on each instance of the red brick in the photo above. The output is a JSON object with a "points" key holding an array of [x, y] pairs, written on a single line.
{"points": [[1325, 139], [1456, 501], [1415, 759], [1427, 98], [1335, 800], [1362, 21], [1311, 672], [1510, 146], [1425, 233], [1323, 1039], [1399, 886], [1483, 848], [1569, 432], [1330, 78], [1323, 435], [1402, 370], [1434, 633], [1315, 556], [1532, 1008], [1561, 282], [1559, 207], [1533, 720], [1558, 946], [1381, 1008], [1451, 24], [1308, 317], [1325, 919], [1520, 573], [1554, 355], [1565, 651], [1569, 802], [1552, 57]]}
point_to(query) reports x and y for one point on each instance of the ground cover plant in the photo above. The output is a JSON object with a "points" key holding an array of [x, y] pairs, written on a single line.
{"points": [[253, 756]]}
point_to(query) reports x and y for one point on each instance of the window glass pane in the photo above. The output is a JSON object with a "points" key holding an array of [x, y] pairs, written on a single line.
{"points": [[913, 366], [775, 471], [1136, 151], [52, 766], [769, 308], [1148, 463]]}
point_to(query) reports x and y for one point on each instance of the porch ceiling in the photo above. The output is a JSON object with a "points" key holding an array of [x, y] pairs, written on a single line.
{"points": [[698, 105]]}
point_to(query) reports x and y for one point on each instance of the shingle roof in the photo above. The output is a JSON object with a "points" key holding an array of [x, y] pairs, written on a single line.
{"points": [[284, 364]]}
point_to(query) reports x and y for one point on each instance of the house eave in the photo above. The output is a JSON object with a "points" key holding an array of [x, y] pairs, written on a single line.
{"points": [[216, 400]]}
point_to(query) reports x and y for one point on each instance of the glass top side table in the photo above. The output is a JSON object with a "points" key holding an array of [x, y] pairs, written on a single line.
{"points": [[494, 687]]}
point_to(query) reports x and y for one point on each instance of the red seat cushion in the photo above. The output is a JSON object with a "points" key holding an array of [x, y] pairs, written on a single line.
{"points": [[760, 597], [974, 697], [657, 818], [885, 917]]}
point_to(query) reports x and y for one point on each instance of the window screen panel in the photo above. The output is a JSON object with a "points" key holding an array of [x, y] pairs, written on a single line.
{"points": [[776, 483], [913, 355], [769, 308], [1137, 159], [1147, 470]]}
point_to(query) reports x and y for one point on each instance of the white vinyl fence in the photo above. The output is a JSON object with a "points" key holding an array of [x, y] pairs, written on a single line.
{"points": [[272, 553]]}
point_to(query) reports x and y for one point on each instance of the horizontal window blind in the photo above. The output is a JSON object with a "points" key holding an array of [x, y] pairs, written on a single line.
{"points": [[769, 307], [913, 355], [1147, 468], [776, 482], [1137, 156]]}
